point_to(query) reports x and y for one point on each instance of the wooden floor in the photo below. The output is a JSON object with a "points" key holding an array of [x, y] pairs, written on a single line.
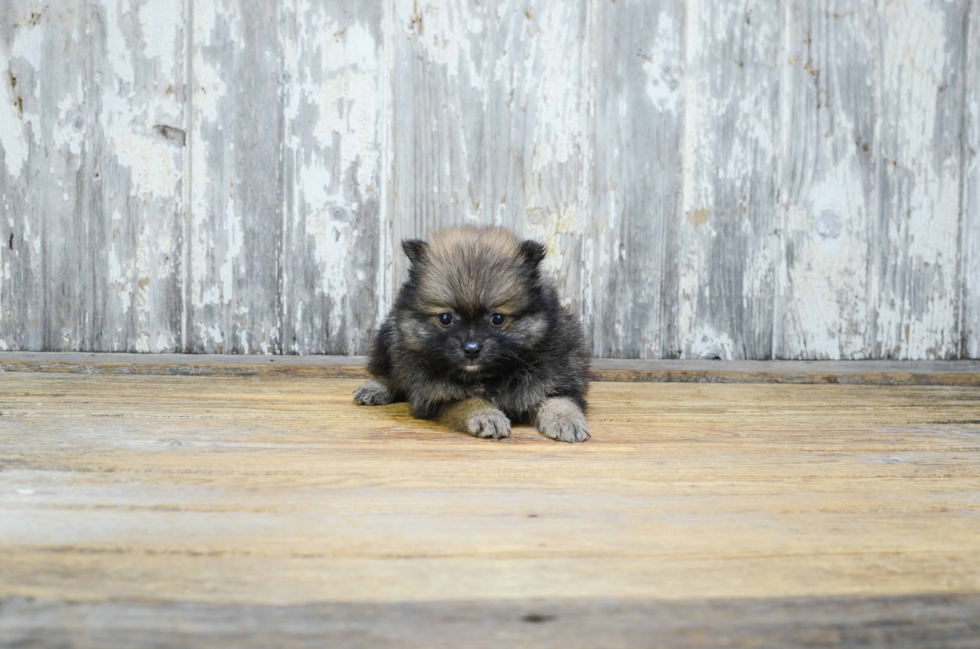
{"points": [[264, 510]]}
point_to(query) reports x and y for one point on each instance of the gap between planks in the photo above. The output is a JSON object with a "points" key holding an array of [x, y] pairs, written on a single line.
{"points": [[966, 372]]}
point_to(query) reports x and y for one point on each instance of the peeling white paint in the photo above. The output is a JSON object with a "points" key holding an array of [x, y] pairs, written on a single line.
{"points": [[694, 194], [347, 100], [443, 31], [235, 238], [559, 120], [208, 89], [126, 118], [728, 167], [664, 80], [970, 244], [119, 279], [511, 139], [212, 334], [826, 289], [708, 343], [12, 139], [141, 275], [923, 224], [153, 163], [24, 51], [164, 342], [140, 169], [334, 114], [540, 101], [160, 21], [693, 197]]}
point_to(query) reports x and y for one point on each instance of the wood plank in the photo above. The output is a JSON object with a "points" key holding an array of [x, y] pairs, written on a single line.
{"points": [[234, 240], [538, 101], [464, 70], [828, 173], [915, 622], [439, 144], [202, 511], [334, 103], [727, 244], [970, 203], [47, 159], [792, 372], [189, 364], [638, 179], [135, 213], [93, 170], [21, 40], [236, 490], [915, 298]]}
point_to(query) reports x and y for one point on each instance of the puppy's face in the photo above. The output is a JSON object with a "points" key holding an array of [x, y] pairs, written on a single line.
{"points": [[474, 310]]}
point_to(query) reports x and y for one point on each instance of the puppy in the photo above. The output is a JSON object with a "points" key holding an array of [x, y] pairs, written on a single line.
{"points": [[477, 339]]}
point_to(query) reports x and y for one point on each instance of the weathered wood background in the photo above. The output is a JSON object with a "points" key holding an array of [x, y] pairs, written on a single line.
{"points": [[713, 179]]}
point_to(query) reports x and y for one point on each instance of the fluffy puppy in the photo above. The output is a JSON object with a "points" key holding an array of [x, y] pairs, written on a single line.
{"points": [[477, 339]]}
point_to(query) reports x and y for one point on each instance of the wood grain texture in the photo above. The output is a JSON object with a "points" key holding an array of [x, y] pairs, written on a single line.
{"points": [[48, 160], [970, 203], [828, 179], [960, 373], [910, 622], [236, 214], [334, 102], [439, 119], [792, 180], [491, 125], [540, 144], [133, 296], [633, 232], [248, 492], [915, 264], [727, 243]]}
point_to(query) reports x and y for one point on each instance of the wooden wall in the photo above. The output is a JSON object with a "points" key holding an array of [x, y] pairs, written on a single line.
{"points": [[713, 179]]}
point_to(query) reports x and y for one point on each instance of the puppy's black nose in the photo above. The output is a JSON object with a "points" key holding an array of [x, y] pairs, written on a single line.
{"points": [[472, 349]]}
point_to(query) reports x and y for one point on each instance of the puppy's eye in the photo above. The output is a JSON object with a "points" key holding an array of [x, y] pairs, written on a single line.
{"points": [[445, 319], [497, 319]]}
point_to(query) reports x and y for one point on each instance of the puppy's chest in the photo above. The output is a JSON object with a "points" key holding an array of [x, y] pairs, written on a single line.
{"points": [[477, 390]]}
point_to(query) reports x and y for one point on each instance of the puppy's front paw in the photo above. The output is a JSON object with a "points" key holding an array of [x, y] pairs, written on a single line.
{"points": [[562, 420], [493, 425], [373, 393]]}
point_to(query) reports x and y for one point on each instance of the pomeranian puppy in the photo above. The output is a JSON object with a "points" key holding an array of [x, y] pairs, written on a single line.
{"points": [[477, 339]]}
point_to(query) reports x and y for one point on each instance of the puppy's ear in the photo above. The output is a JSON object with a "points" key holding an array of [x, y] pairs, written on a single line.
{"points": [[416, 250], [532, 252]]}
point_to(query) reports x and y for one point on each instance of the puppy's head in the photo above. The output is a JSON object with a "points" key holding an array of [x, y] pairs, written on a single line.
{"points": [[476, 301]]}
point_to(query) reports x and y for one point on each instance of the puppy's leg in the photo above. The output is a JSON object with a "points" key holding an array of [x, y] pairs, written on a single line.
{"points": [[476, 417], [562, 420], [374, 393]]}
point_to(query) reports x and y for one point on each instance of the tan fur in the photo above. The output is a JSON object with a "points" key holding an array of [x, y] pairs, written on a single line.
{"points": [[561, 420], [497, 241], [533, 328], [477, 417], [483, 265], [413, 333]]}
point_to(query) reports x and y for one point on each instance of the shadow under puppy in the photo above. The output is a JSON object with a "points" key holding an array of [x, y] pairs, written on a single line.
{"points": [[477, 339]]}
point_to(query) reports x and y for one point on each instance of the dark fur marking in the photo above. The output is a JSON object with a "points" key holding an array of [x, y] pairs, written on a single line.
{"points": [[533, 252], [415, 250]]}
